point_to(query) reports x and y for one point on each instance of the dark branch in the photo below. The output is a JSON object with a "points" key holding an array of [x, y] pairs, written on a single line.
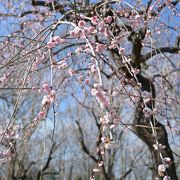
{"points": [[124, 175], [159, 50], [84, 147], [147, 8], [53, 147], [177, 43], [32, 12], [56, 7]]}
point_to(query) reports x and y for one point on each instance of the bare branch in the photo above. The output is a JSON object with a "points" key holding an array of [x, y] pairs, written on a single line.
{"points": [[83, 145], [124, 175], [57, 6], [158, 51]]}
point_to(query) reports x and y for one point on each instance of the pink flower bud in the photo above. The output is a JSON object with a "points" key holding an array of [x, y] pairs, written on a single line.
{"points": [[71, 72], [52, 93], [103, 139], [137, 17], [33, 88], [56, 40], [112, 46], [95, 170], [105, 103], [100, 163], [87, 81], [72, 33], [94, 20], [167, 160], [94, 92], [41, 114], [100, 47], [46, 87], [126, 15], [78, 50], [50, 44], [62, 41], [121, 50], [46, 101]]}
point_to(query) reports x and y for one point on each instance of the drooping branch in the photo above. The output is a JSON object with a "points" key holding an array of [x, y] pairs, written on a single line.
{"points": [[86, 150], [157, 51], [47, 162], [147, 136]]}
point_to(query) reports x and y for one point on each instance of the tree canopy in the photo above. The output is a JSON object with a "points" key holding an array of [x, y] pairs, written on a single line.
{"points": [[89, 89]]}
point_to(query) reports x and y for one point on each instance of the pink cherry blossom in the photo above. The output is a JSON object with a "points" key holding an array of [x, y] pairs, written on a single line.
{"points": [[105, 103], [100, 47], [167, 178], [92, 178], [108, 19], [121, 51], [64, 65], [71, 72], [50, 44], [94, 20], [78, 50], [135, 71], [81, 23], [91, 30], [113, 46], [93, 68], [161, 169], [137, 17], [41, 114], [75, 32], [46, 100], [126, 15], [103, 139], [167, 160]]}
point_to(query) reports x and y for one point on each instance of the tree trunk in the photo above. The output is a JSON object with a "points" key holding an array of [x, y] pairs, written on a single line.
{"points": [[146, 134]]}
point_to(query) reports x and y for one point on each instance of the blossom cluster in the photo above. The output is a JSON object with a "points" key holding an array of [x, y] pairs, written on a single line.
{"points": [[9, 138], [100, 95], [47, 100], [54, 41], [162, 167], [10, 133]]}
